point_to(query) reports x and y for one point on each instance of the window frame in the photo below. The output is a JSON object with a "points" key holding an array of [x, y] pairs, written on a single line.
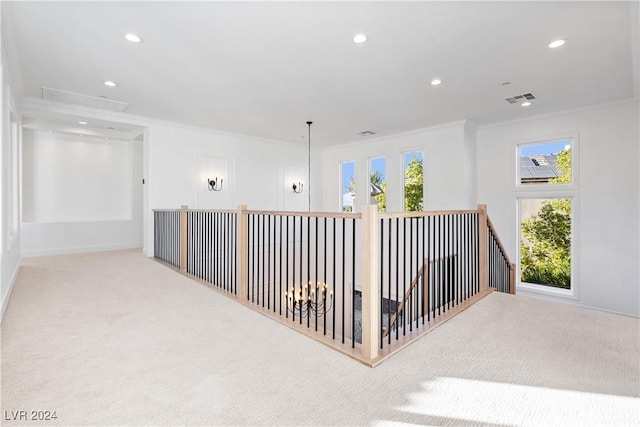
{"points": [[550, 191]]}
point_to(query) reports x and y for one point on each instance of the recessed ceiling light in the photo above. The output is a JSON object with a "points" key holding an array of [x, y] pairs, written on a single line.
{"points": [[133, 38], [359, 38], [525, 104], [557, 43], [82, 122], [110, 83], [435, 82], [505, 83]]}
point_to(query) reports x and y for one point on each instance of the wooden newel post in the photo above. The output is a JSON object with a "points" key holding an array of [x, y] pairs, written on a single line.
{"points": [[370, 285], [183, 237], [512, 278], [483, 258], [243, 252]]}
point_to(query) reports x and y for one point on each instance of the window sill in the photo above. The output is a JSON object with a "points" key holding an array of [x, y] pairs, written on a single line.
{"points": [[532, 288]]}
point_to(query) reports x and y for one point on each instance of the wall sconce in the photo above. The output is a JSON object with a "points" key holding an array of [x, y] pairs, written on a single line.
{"points": [[214, 185], [297, 188]]}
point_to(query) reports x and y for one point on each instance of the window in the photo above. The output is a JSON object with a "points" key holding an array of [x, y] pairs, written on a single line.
{"points": [[348, 185], [545, 241], [546, 193], [545, 163], [413, 182], [377, 183]]}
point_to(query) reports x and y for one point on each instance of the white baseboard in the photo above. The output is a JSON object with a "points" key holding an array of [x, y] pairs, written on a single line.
{"points": [[572, 302], [80, 249], [7, 298]]}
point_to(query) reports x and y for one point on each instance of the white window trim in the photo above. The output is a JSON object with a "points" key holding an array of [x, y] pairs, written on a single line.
{"points": [[551, 191]]}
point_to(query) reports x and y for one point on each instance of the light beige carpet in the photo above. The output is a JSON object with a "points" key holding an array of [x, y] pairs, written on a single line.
{"points": [[117, 339]]}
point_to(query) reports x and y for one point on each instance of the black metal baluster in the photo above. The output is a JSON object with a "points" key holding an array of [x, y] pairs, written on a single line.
{"points": [[381, 281], [255, 258], [227, 238], [286, 283], [268, 264], [280, 268], [213, 256], [448, 262], [411, 313], [333, 284], [467, 237], [353, 283], [404, 276], [398, 297], [308, 266], [293, 264], [440, 262], [343, 273], [476, 249], [416, 303], [430, 276], [389, 283], [424, 266], [301, 264], [324, 278], [316, 272]]}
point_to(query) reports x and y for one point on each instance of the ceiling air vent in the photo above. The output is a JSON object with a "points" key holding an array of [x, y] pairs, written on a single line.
{"points": [[103, 103], [519, 98], [366, 133]]}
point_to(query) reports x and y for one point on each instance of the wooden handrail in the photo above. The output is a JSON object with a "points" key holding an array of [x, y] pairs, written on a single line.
{"points": [[418, 214], [495, 236], [414, 283], [512, 266], [356, 215]]}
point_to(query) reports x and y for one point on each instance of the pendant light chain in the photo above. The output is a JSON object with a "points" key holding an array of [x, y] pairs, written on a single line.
{"points": [[309, 160]]}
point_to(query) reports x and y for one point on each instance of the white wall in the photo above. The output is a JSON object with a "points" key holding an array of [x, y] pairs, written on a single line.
{"points": [[448, 163], [80, 194], [607, 241], [10, 173], [256, 172], [75, 178]]}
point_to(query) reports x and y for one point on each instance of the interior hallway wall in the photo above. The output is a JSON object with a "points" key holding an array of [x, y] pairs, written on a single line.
{"points": [[255, 172]]}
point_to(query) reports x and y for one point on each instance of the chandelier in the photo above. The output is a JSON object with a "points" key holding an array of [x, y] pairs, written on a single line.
{"points": [[304, 300]]}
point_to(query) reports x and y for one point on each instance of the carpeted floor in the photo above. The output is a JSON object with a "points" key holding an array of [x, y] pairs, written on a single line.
{"points": [[117, 339]]}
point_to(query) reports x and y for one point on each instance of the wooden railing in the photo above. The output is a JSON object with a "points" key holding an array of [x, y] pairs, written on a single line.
{"points": [[366, 284], [168, 236], [500, 270], [420, 278], [211, 247]]}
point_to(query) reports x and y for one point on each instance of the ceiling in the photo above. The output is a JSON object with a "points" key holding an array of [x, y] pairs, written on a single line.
{"points": [[265, 68]]}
